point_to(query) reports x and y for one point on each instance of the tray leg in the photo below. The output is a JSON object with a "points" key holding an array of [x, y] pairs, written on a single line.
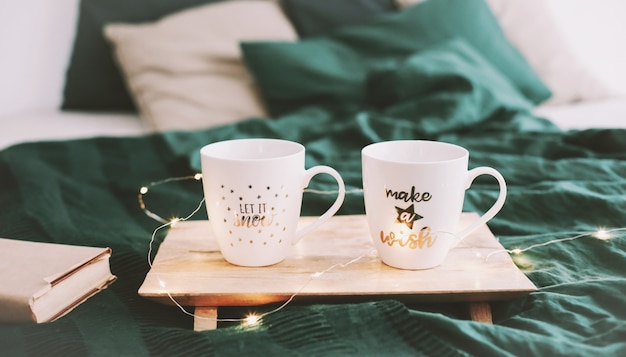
{"points": [[205, 318], [480, 312]]}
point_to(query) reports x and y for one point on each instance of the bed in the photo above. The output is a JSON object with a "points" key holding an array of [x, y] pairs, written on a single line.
{"points": [[109, 116]]}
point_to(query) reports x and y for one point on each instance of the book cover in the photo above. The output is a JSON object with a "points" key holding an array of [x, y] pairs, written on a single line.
{"points": [[40, 282]]}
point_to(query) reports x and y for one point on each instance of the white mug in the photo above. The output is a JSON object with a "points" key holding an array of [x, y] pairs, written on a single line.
{"points": [[414, 192], [253, 191]]}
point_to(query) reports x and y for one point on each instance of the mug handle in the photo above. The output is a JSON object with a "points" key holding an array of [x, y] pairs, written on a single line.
{"points": [[471, 176], [308, 175]]}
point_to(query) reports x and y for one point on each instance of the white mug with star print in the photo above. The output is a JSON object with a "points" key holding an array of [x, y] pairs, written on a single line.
{"points": [[253, 191], [414, 192]]}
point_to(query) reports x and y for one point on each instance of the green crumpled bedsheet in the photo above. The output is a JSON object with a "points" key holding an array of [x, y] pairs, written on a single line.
{"points": [[560, 183]]}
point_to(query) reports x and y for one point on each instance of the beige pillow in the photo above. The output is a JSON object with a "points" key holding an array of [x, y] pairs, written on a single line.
{"points": [[185, 71], [529, 26]]}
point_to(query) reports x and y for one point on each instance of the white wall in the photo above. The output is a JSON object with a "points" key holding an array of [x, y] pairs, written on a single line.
{"points": [[596, 33], [35, 41]]}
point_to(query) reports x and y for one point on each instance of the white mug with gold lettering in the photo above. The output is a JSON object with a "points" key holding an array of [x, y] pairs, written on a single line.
{"points": [[414, 192], [253, 191]]}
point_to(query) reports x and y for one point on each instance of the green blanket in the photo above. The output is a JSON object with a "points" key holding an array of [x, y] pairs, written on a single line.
{"points": [[560, 183]]}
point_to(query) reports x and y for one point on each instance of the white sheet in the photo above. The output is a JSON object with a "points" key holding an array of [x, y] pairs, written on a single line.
{"points": [[608, 113], [56, 125]]}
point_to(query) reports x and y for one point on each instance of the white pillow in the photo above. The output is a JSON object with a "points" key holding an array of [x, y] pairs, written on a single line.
{"points": [[530, 26], [185, 71]]}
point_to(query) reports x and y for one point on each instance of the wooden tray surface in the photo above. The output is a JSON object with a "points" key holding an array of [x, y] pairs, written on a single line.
{"points": [[191, 269]]}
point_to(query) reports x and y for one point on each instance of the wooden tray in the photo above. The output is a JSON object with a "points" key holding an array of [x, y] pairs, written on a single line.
{"points": [[190, 268]]}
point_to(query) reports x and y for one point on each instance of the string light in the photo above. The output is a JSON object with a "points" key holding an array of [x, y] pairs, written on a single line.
{"points": [[143, 190], [253, 319], [601, 234], [169, 223]]}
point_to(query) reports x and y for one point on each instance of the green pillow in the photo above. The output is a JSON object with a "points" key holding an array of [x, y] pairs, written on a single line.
{"points": [[332, 70], [93, 80], [319, 17], [450, 78], [291, 75]]}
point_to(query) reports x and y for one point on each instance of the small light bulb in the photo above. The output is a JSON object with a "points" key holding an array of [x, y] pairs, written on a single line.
{"points": [[251, 320], [602, 234], [197, 177], [516, 251], [174, 220], [161, 283], [143, 190]]}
